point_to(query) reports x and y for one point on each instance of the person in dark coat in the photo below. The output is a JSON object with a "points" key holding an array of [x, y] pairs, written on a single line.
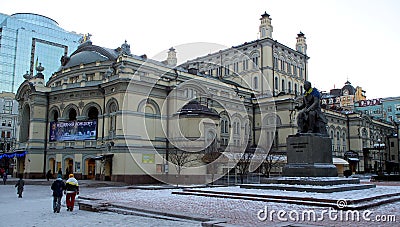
{"points": [[5, 178], [20, 186], [58, 188], [48, 175]]}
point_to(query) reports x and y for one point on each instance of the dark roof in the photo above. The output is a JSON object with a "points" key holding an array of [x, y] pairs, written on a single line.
{"points": [[265, 14], [336, 92], [88, 53], [350, 88], [194, 108]]}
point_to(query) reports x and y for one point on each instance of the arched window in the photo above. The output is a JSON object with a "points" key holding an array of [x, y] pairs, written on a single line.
{"points": [[113, 118], [54, 115], [236, 128], [290, 87], [283, 85], [337, 141], [93, 113], [72, 114], [25, 124], [275, 62], [276, 83], [255, 82]]}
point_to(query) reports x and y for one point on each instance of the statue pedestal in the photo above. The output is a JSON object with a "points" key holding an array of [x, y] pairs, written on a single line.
{"points": [[309, 155]]}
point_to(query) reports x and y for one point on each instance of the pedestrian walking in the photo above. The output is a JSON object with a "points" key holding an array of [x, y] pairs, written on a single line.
{"points": [[48, 175], [71, 191], [20, 186], [58, 188], [5, 178]]}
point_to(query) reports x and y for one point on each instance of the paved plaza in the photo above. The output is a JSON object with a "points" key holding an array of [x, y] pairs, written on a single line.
{"points": [[125, 205]]}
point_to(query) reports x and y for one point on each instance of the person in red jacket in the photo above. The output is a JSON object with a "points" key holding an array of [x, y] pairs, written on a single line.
{"points": [[71, 191]]}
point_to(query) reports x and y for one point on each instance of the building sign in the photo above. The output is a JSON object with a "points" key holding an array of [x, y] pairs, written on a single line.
{"points": [[371, 102], [73, 130], [148, 158], [340, 100]]}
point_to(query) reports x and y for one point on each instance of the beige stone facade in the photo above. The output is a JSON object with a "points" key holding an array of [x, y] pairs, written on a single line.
{"points": [[147, 127]]}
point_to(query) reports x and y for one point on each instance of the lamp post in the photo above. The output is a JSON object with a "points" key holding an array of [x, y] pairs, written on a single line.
{"points": [[380, 147]]}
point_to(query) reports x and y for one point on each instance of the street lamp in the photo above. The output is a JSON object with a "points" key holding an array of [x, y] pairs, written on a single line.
{"points": [[380, 147]]}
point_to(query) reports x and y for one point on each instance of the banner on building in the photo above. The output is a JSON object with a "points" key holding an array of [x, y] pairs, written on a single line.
{"points": [[371, 102], [73, 130]]}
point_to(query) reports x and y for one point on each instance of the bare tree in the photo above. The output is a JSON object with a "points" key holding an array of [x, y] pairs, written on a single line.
{"points": [[243, 165], [182, 159], [210, 157], [272, 160]]}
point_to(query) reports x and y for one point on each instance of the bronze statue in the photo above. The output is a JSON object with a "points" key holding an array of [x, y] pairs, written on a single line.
{"points": [[311, 119]]}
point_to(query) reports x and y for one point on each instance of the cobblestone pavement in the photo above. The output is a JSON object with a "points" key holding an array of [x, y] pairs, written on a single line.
{"points": [[245, 213]]}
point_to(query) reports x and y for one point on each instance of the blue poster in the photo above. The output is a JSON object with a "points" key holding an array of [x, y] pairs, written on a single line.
{"points": [[73, 130]]}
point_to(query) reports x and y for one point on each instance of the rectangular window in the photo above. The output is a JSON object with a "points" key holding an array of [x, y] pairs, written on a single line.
{"points": [[8, 106], [255, 62], [236, 67], [219, 71], [226, 69], [245, 64]]}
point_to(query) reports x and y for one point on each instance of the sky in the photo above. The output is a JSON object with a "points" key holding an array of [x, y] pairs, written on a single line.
{"points": [[354, 40]]}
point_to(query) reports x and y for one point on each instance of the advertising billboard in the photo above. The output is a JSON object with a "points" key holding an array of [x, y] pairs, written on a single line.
{"points": [[73, 130]]}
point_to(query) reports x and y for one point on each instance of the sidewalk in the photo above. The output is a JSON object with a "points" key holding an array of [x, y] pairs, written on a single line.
{"points": [[82, 183]]}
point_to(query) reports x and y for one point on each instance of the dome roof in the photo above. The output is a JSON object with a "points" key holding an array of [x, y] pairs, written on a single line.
{"points": [[194, 108], [88, 53], [351, 90]]}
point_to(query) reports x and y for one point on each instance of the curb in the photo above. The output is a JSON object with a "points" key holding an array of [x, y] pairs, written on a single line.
{"points": [[99, 206]]}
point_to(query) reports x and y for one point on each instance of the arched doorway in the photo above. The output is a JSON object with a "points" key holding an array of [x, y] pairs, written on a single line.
{"points": [[52, 166], [69, 167], [90, 168]]}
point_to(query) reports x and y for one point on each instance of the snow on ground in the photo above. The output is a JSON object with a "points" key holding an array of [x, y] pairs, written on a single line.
{"points": [[244, 212], [347, 195], [35, 209]]}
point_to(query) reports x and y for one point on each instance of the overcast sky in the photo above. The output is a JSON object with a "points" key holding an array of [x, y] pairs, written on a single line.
{"points": [[355, 40]]}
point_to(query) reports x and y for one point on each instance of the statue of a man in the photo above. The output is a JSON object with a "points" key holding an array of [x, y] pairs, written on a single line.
{"points": [[311, 119]]}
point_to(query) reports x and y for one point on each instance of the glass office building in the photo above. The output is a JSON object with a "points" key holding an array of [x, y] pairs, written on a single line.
{"points": [[29, 39]]}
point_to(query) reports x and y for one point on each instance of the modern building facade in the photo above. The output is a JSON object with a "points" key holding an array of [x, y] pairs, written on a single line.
{"points": [[25, 40], [391, 109]]}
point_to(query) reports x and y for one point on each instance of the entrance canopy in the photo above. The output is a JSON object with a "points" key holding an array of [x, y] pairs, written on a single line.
{"points": [[103, 157], [339, 161]]}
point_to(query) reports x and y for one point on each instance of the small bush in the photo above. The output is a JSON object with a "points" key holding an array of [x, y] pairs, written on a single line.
{"points": [[347, 173]]}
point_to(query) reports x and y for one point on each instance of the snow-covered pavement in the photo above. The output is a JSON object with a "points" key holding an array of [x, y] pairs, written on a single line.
{"points": [[35, 209], [258, 213]]}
